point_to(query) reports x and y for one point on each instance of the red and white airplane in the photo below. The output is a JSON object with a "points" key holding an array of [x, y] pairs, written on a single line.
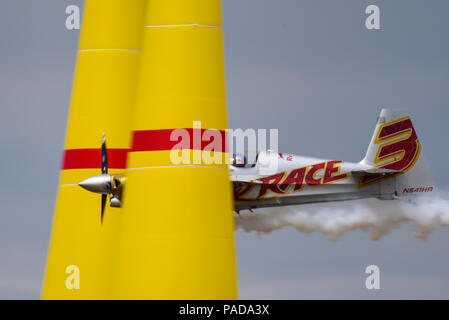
{"points": [[393, 169]]}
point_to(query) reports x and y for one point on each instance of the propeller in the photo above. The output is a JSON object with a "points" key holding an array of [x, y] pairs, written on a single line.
{"points": [[104, 156], [104, 183], [104, 170], [104, 197]]}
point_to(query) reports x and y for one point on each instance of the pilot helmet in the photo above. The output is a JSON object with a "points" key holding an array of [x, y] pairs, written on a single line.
{"points": [[239, 160]]}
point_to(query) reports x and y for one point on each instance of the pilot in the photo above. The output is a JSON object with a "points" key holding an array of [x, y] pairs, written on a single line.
{"points": [[239, 160]]}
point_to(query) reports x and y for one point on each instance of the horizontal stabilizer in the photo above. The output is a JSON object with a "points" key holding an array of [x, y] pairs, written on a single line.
{"points": [[375, 171]]}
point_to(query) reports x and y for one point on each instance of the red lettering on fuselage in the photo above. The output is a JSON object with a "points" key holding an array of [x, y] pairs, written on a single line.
{"points": [[281, 183], [331, 174], [296, 178], [311, 180], [271, 183]]}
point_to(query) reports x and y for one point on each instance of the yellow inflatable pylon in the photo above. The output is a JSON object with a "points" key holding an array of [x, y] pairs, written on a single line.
{"points": [[176, 235], [79, 262]]}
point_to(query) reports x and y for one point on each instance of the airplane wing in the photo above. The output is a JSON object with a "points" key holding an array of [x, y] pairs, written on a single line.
{"points": [[375, 171], [242, 188]]}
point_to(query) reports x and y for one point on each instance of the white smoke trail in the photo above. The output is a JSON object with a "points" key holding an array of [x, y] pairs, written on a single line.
{"points": [[376, 217]]}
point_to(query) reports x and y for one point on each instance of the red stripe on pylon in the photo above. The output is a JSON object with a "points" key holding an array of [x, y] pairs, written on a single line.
{"points": [[91, 159], [169, 139]]}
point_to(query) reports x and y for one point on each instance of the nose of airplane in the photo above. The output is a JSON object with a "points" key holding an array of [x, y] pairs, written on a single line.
{"points": [[98, 184]]}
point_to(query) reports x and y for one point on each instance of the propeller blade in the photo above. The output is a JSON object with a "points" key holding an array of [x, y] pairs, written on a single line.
{"points": [[104, 156], [103, 205], [104, 170]]}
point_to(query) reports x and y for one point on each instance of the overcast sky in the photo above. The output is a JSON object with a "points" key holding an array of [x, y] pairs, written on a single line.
{"points": [[307, 67]]}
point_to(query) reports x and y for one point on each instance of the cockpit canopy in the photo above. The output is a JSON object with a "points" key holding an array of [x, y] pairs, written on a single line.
{"points": [[239, 160], [262, 158]]}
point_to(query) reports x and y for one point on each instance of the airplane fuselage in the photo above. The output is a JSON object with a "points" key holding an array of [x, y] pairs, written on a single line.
{"points": [[299, 180]]}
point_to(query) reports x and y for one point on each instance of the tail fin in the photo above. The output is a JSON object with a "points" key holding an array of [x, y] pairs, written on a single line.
{"points": [[395, 149]]}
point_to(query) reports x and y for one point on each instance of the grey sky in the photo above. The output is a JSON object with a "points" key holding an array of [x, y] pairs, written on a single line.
{"points": [[307, 67]]}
